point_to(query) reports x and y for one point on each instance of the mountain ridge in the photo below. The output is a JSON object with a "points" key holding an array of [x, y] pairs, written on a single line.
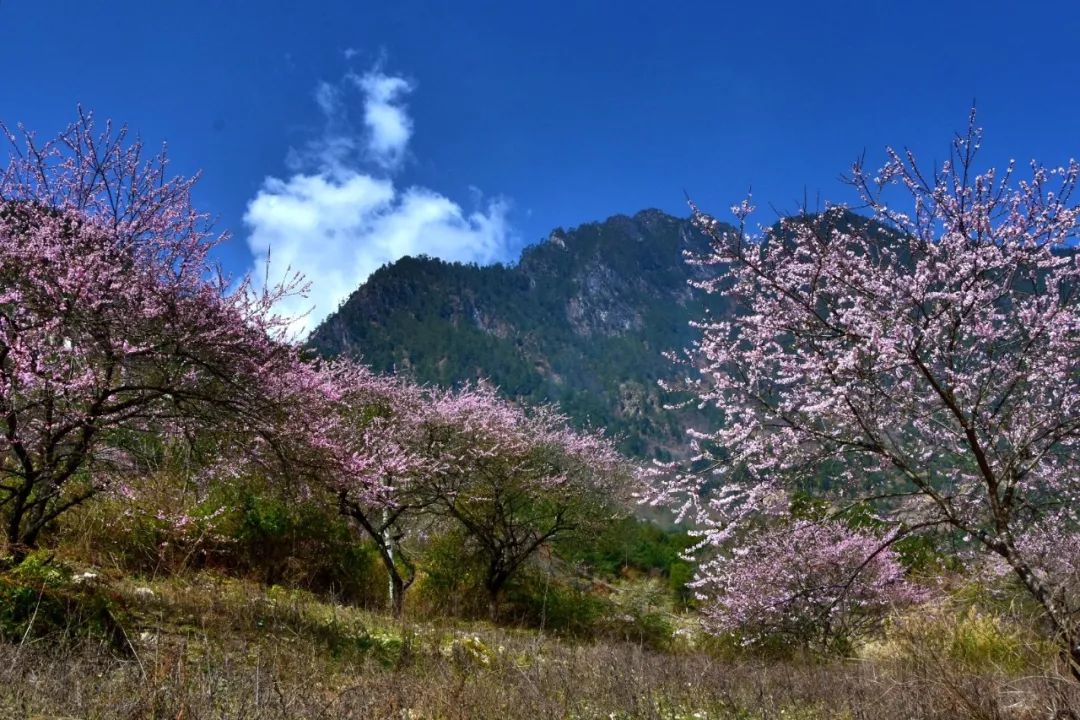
{"points": [[583, 319]]}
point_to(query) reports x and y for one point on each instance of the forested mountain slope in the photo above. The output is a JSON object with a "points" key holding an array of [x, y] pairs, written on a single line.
{"points": [[583, 319]]}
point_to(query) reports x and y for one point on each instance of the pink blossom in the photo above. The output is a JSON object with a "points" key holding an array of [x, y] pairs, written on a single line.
{"points": [[114, 322], [926, 362]]}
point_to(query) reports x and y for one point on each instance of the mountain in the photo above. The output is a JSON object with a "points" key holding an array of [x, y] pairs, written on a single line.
{"points": [[583, 320]]}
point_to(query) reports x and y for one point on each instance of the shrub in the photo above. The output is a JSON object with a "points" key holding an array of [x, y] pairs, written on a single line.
{"points": [[642, 612], [563, 605], [41, 600], [246, 528], [805, 585], [958, 635], [451, 577], [629, 546], [301, 544]]}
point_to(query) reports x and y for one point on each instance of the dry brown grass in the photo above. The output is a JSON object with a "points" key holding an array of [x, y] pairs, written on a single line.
{"points": [[206, 648]]}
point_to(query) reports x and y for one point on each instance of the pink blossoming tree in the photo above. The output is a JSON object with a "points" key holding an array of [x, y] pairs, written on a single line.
{"points": [[393, 455], [516, 479], [928, 361], [113, 322], [805, 584], [384, 414], [356, 435]]}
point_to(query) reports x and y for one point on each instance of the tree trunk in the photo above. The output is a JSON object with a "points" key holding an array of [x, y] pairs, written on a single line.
{"points": [[397, 583], [384, 543], [19, 543], [13, 536], [397, 594], [1072, 656], [494, 585], [1070, 651]]}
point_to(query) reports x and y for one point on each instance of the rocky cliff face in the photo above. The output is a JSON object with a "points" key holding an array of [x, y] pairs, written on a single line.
{"points": [[583, 319]]}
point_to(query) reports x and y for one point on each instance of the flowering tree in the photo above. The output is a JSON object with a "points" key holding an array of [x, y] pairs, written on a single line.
{"points": [[113, 322], [384, 414], [929, 361], [389, 451], [810, 584], [357, 434], [515, 479]]}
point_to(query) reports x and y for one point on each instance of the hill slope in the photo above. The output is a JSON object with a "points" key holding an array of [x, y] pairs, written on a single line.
{"points": [[582, 320]]}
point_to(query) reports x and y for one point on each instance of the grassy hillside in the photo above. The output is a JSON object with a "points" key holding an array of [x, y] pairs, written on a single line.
{"points": [[272, 609], [204, 646]]}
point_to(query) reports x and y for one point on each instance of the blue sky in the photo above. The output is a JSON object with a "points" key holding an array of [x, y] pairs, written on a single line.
{"points": [[344, 134]]}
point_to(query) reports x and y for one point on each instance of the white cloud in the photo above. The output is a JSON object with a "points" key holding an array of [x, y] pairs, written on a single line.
{"points": [[336, 222], [389, 126]]}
